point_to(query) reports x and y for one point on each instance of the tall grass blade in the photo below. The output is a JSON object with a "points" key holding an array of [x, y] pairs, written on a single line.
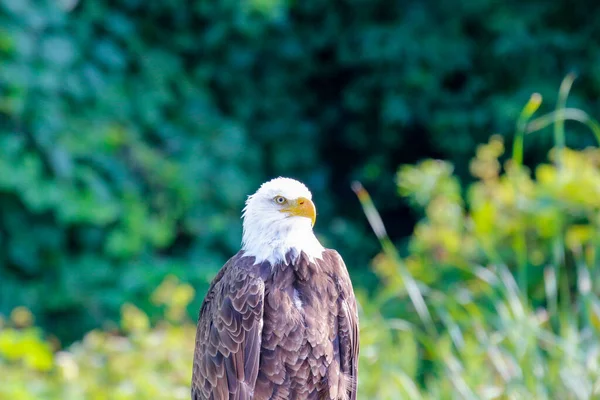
{"points": [[390, 250], [561, 104], [572, 114], [520, 242], [530, 108]]}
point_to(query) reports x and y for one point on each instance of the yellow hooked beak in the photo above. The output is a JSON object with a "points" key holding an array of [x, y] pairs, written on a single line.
{"points": [[302, 207]]}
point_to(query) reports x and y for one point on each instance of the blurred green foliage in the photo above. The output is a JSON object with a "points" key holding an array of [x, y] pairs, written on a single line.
{"points": [[137, 361], [512, 218], [498, 295], [131, 131], [485, 336], [115, 167]]}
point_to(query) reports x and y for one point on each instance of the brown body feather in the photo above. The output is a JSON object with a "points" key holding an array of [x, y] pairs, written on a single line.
{"points": [[288, 331]]}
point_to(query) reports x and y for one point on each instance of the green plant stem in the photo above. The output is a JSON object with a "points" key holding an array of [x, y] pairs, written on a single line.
{"points": [[595, 256], [573, 114], [530, 108], [559, 126], [390, 250], [520, 244]]}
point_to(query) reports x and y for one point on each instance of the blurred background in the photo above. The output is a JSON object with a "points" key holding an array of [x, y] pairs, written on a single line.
{"points": [[132, 131]]}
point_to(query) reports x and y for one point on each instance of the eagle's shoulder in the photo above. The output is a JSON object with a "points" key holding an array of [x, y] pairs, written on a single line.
{"points": [[333, 255], [239, 268], [335, 263]]}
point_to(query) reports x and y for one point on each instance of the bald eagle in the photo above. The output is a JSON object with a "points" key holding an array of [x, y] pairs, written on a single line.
{"points": [[279, 320]]}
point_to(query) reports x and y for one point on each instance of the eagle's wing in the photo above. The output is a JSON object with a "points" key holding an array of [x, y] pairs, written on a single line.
{"points": [[347, 328], [228, 335]]}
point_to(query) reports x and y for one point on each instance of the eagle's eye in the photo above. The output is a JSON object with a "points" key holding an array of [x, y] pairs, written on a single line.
{"points": [[280, 199]]}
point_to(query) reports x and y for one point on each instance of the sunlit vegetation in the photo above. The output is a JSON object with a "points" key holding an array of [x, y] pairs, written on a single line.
{"points": [[136, 361], [496, 296]]}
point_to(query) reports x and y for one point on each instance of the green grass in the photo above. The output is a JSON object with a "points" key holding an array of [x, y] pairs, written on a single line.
{"points": [[498, 295]]}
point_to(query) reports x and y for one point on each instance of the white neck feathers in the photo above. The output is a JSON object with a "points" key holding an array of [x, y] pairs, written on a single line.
{"points": [[271, 231], [271, 240]]}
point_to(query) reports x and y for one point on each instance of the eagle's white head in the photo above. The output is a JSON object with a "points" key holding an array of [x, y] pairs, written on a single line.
{"points": [[278, 218]]}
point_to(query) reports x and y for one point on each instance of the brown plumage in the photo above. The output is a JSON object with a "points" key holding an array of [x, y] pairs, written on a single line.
{"points": [[287, 331], [279, 320]]}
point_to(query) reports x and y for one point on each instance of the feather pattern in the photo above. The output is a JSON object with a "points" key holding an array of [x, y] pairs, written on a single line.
{"points": [[255, 341]]}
